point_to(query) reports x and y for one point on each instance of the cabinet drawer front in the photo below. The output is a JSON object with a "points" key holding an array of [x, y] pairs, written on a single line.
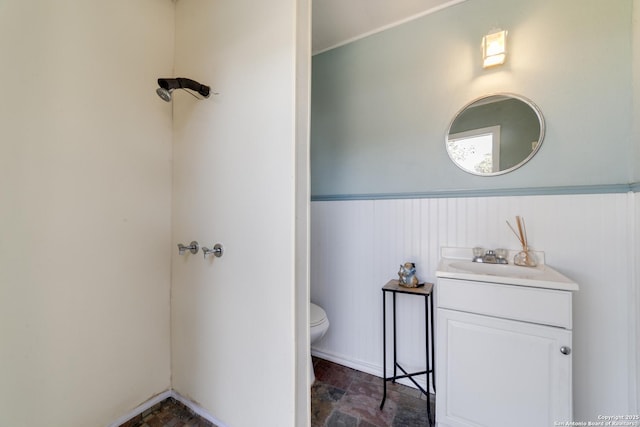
{"points": [[535, 305]]}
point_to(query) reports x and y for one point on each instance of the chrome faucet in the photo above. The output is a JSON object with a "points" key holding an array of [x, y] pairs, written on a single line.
{"points": [[498, 256]]}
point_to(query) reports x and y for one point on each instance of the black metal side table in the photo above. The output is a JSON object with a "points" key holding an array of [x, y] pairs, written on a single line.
{"points": [[426, 291]]}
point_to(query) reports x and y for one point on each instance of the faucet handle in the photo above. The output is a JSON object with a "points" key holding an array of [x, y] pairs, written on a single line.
{"points": [[501, 256], [478, 253]]}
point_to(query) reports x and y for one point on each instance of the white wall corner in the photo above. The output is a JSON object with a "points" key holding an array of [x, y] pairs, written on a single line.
{"points": [[141, 408], [197, 409]]}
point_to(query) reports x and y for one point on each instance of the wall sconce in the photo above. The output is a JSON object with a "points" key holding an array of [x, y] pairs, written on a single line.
{"points": [[494, 48]]}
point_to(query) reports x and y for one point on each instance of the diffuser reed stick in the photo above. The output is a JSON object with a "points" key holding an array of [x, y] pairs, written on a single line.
{"points": [[522, 239], [524, 229], [516, 234]]}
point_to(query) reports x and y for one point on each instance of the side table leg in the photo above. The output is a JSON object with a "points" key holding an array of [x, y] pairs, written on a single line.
{"points": [[426, 355], [395, 359], [384, 350], [433, 358]]}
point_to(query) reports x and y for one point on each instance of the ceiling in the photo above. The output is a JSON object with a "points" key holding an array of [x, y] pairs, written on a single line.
{"points": [[337, 22]]}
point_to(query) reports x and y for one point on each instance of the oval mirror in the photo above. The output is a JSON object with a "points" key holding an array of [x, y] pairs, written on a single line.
{"points": [[495, 134]]}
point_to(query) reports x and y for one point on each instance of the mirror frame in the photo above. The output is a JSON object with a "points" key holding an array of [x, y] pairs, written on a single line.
{"points": [[527, 101]]}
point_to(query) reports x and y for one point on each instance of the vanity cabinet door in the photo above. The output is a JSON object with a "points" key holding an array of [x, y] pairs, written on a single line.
{"points": [[500, 373]]}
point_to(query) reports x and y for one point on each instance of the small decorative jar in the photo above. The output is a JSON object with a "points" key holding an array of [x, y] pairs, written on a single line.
{"points": [[525, 258]]}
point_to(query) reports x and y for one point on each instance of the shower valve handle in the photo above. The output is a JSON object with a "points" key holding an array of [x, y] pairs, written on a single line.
{"points": [[193, 248], [217, 250]]}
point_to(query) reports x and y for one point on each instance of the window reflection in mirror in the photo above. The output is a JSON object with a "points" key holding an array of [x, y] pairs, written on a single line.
{"points": [[495, 134], [477, 150]]}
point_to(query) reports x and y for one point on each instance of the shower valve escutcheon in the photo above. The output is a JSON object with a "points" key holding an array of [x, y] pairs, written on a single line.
{"points": [[193, 248], [217, 250]]}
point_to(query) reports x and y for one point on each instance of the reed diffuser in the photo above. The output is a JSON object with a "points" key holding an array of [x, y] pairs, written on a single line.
{"points": [[525, 257]]}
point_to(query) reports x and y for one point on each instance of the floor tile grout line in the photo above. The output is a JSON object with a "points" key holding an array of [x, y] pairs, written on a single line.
{"points": [[408, 408]]}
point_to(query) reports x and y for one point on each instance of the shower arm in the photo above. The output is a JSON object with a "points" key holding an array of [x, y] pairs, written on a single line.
{"points": [[184, 83], [194, 85]]}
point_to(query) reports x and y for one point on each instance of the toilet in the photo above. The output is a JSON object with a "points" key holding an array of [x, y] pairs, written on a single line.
{"points": [[318, 325]]}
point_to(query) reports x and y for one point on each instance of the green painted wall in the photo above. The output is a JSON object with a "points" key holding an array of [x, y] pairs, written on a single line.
{"points": [[381, 105], [636, 91]]}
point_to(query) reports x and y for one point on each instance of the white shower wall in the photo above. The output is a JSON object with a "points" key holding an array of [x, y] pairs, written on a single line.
{"points": [[234, 337], [85, 209], [357, 246]]}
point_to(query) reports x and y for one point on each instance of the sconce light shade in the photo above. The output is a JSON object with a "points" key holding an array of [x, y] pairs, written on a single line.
{"points": [[494, 48]]}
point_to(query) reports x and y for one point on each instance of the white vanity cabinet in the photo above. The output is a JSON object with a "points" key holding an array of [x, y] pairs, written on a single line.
{"points": [[503, 353]]}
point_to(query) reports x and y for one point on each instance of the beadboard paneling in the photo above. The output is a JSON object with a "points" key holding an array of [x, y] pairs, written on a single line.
{"points": [[357, 246], [634, 350]]}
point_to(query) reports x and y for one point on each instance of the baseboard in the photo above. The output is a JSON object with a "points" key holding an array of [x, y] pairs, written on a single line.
{"points": [[197, 409], [141, 408], [366, 367], [358, 365]]}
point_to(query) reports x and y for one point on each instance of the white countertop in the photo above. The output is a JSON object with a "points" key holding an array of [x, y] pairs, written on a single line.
{"points": [[456, 264]]}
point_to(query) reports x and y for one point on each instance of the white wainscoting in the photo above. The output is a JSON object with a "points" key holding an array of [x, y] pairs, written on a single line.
{"points": [[357, 246], [634, 387]]}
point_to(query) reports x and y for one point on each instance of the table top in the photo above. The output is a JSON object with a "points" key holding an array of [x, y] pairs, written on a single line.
{"points": [[394, 286]]}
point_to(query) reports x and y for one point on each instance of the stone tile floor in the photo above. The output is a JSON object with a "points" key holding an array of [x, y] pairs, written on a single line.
{"points": [[340, 397], [344, 397], [168, 413]]}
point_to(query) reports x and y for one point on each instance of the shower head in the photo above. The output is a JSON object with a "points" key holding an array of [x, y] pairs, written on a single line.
{"points": [[165, 94], [168, 85]]}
